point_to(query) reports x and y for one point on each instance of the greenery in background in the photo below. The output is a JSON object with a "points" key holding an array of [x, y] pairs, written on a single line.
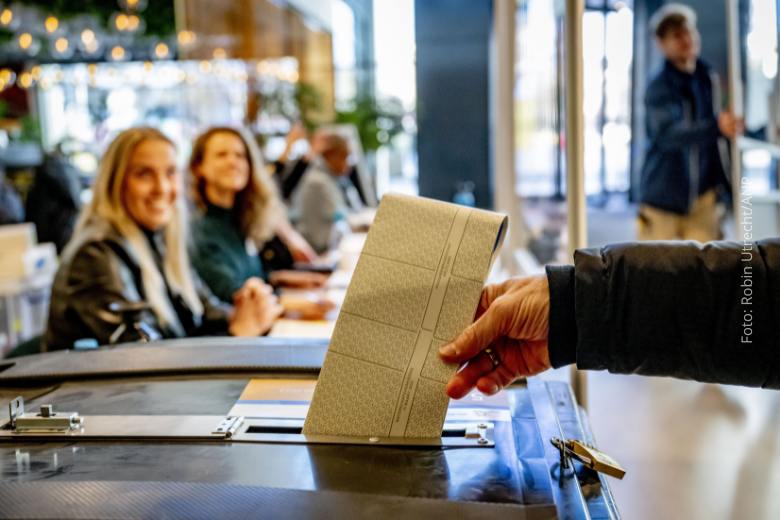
{"points": [[298, 103], [377, 122], [30, 129], [159, 14], [309, 101]]}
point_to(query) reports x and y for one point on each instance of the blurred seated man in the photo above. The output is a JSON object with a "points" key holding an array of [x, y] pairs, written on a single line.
{"points": [[682, 170], [289, 173], [128, 255], [325, 195], [708, 313]]}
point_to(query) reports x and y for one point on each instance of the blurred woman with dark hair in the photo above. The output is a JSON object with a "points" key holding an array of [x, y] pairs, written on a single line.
{"points": [[237, 212]]}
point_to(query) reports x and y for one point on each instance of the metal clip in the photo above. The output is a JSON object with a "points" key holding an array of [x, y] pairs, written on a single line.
{"points": [[47, 420], [228, 426], [590, 456], [15, 409]]}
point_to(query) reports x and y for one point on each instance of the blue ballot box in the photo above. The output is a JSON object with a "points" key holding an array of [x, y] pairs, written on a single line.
{"points": [[211, 428]]}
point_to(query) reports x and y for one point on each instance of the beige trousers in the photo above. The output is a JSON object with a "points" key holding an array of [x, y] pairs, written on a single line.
{"points": [[702, 223]]}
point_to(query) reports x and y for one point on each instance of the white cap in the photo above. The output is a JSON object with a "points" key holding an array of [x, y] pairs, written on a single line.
{"points": [[672, 9]]}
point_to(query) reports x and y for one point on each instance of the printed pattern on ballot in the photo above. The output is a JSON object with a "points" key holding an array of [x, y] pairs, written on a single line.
{"points": [[416, 286]]}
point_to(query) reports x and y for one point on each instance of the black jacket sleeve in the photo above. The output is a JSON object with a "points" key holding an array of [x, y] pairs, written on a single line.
{"points": [[562, 336], [705, 312], [293, 177], [99, 276], [96, 279]]}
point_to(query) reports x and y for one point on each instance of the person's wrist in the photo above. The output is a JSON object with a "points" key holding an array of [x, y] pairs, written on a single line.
{"points": [[245, 323], [244, 328], [562, 333]]}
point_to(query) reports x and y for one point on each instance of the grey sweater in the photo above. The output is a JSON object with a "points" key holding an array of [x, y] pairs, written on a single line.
{"points": [[318, 203]]}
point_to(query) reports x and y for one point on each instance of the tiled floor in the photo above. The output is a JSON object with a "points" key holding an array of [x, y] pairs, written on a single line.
{"points": [[691, 451]]}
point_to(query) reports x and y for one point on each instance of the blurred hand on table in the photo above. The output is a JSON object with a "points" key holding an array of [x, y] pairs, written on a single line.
{"points": [[310, 307], [298, 279], [254, 309]]}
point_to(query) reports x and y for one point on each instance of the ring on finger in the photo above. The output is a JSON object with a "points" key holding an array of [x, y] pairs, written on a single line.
{"points": [[493, 356]]}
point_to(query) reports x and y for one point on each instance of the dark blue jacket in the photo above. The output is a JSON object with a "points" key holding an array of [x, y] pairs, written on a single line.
{"points": [[683, 158]]}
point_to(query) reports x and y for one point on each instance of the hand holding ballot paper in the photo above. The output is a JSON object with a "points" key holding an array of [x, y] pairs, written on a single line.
{"points": [[508, 340], [416, 287]]}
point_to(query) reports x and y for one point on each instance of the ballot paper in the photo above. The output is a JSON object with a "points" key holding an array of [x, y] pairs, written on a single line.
{"points": [[416, 286]]}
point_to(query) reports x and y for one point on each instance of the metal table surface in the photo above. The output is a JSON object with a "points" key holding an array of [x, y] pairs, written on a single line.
{"points": [[81, 478]]}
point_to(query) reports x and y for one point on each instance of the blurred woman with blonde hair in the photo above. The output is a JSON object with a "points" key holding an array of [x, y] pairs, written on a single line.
{"points": [[129, 255]]}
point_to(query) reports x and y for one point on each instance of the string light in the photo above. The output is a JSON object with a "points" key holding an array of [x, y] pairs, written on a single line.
{"points": [[118, 53], [89, 41], [122, 22], [161, 50], [94, 75], [25, 80], [61, 45], [186, 38], [219, 53], [134, 6], [87, 36], [6, 17], [92, 47], [25, 40], [7, 78], [133, 22], [51, 24]]}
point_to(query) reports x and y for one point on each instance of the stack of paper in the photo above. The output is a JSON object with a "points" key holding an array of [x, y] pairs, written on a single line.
{"points": [[416, 286], [15, 241]]}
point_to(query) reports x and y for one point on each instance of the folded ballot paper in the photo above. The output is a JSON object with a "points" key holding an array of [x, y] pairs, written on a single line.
{"points": [[416, 286]]}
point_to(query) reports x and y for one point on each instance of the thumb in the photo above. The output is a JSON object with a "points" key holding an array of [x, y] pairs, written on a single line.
{"points": [[475, 338]]}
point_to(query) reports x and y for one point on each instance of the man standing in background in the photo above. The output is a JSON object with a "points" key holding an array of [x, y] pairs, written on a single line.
{"points": [[684, 163]]}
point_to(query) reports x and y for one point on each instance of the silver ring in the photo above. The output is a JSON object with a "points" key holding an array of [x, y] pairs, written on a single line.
{"points": [[493, 356]]}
